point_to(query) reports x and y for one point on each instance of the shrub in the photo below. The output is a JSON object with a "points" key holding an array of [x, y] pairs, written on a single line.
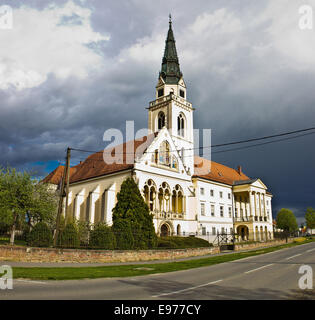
{"points": [[84, 229], [40, 236], [162, 243], [69, 237], [183, 242], [123, 234], [102, 237]]}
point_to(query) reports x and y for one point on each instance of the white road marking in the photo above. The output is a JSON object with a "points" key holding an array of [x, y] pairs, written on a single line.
{"points": [[296, 255], [310, 250], [259, 268], [30, 281], [187, 289]]}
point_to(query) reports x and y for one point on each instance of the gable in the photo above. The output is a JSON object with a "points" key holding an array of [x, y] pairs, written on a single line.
{"points": [[148, 158], [161, 82], [259, 184], [182, 83]]}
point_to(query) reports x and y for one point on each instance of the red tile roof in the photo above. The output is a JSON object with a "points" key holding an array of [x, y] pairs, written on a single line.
{"points": [[214, 171], [94, 166], [55, 176]]}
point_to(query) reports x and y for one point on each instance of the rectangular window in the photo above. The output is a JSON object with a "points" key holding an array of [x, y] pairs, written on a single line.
{"points": [[213, 231], [221, 194], [202, 209], [221, 211], [202, 191], [212, 210], [230, 212], [235, 212], [182, 93], [204, 231], [229, 195], [211, 193], [161, 93], [222, 230]]}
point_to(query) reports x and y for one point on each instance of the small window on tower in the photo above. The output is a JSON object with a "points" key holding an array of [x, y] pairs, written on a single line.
{"points": [[182, 93], [161, 93]]}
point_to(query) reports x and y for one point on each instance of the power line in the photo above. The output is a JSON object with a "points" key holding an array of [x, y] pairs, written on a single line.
{"points": [[216, 145], [228, 150], [260, 144]]}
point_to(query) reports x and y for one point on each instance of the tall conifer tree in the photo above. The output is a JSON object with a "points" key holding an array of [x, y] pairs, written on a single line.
{"points": [[132, 207]]}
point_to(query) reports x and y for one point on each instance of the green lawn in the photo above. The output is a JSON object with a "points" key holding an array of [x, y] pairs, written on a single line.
{"points": [[68, 273]]}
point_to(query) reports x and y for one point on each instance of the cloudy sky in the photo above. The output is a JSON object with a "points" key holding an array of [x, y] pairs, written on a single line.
{"points": [[69, 70]]}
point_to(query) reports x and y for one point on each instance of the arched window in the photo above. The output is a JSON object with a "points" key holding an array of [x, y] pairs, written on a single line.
{"points": [[181, 125], [149, 192], [161, 120], [177, 200], [165, 153]]}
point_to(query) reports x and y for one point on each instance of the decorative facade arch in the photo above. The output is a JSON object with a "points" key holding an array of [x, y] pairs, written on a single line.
{"points": [[149, 191], [178, 199], [181, 124], [164, 196], [178, 230], [165, 153], [161, 120], [165, 228]]}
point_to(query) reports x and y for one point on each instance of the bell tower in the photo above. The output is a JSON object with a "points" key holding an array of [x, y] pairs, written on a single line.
{"points": [[170, 108]]}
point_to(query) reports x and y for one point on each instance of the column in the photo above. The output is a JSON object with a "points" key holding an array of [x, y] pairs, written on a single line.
{"points": [[264, 200], [255, 202], [93, 198], [79, 199], [176, 203], [260, 212], [250, 204], [110, 200]]}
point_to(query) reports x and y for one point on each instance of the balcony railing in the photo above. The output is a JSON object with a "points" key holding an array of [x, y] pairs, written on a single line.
{"points": [[170, 97], [167, 215], [243, 219], [251, 219]]}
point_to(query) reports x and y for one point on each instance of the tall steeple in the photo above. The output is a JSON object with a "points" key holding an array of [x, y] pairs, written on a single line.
{"points": [[171, 109], [170, 71]]}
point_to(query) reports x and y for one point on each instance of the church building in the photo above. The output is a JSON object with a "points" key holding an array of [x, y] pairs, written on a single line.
{"points": [[186, 194]]}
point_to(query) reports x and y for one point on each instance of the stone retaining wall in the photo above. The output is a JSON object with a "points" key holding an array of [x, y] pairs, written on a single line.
{"points": [[27, 254], [24, 254], [261, 244]]}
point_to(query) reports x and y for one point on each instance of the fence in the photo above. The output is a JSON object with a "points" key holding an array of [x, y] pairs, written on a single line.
{"points": [[95, 239]]}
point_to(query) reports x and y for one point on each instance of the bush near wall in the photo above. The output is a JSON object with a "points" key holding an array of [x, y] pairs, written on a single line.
{"points": [[40, 236], [182, 242], [102, 237], [69, 237]]}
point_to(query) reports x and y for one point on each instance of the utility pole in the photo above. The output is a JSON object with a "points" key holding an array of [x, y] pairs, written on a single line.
{"points": [[65, 176], [68, 177]]}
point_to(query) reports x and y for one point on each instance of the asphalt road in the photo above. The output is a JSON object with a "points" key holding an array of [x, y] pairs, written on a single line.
{"points": [[269, 276]]}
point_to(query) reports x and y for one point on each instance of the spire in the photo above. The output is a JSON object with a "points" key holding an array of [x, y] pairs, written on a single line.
{"points": [[170, 71]]}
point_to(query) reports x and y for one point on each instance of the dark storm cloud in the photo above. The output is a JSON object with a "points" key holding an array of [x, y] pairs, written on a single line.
{"points": [[239, 80]]}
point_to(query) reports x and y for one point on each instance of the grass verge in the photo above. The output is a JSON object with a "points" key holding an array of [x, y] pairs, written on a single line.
{"points": [[71, 273]]}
